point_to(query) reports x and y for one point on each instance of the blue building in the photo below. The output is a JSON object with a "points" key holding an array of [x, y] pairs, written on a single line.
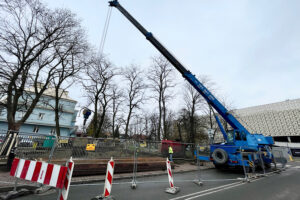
{"points": [[42, 119]]}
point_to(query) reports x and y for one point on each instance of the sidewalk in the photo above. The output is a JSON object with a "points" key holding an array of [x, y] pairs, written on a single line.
{"points": [[7, 182], [179, 168]]}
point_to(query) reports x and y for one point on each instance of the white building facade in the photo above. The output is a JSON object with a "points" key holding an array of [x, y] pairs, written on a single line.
{"points": [[280, 120]]}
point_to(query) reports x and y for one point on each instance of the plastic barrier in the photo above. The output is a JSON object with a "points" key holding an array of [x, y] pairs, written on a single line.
{"points": [[45, 173], [41, 172]]}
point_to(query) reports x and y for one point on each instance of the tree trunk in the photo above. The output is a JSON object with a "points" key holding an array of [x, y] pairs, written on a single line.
{"points": [[57, 128], [159, 119], [95, 120], [13, 126], [127, 123], [179, 132], [166, 134], [99, 129], [113, 120]]}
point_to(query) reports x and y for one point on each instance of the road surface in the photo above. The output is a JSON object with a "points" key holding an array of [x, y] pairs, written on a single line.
{"points": [[218, 185]]}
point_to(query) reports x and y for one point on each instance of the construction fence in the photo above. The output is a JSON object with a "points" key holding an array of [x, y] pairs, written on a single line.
{"points": [[38, 146]]}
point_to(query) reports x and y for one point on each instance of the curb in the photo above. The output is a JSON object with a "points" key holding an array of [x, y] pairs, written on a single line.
{"points": [[15, 194], [138, 176], [11, 188]]}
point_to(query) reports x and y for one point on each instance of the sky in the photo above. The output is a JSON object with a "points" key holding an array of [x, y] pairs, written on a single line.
{"points": [[249, 48]]}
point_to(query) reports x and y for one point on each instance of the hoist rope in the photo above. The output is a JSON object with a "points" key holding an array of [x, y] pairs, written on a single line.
{"points": [[105, 29]]}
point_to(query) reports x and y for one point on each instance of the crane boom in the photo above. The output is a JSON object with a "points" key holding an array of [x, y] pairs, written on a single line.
{"points": [[213, 101]]}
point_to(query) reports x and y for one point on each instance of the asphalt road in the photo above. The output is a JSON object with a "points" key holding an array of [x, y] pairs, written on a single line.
{"points": [[218, 185]]}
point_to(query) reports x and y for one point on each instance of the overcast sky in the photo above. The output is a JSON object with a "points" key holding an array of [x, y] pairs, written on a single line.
{"points": [[250, 49]]}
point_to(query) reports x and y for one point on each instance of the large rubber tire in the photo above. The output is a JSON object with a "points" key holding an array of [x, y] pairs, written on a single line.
{"points": [[268, 165], [220, 156]]}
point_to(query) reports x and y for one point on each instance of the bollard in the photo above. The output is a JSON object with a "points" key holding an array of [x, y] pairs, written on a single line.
{"points": [[172, 189], [108, 181]]}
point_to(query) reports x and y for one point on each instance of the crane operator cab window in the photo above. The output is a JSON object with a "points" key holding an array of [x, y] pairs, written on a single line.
{"points": [[240, 136], [233, 135], [230, 136]]}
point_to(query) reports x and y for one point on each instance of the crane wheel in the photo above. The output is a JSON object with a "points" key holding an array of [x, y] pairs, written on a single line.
{"points": [[220, 156]]}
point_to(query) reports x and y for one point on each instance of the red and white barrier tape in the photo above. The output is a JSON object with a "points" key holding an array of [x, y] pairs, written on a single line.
{"points": [[41, 172], [64, 192], [109, 177], [169, 169]]}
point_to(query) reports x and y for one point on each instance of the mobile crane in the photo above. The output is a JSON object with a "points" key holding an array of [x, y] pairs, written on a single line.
{"points": [[237, 140]]}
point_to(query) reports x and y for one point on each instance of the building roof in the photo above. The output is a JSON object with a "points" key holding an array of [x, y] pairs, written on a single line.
{"points": [[51, 92]]}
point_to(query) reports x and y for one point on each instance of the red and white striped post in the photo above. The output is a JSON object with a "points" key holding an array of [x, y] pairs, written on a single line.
{"points": [[64, 191], [109, 177], [172, 189], [108, 181]]}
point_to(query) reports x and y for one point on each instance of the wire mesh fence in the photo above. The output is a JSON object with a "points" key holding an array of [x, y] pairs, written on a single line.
{"points": [[38, 146]]}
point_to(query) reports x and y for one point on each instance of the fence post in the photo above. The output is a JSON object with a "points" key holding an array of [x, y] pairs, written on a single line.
{"points": [[262, 162], [198, 179], [253, 168], [244, 168], [282, 158], [274, 159], [133, 184], [53, 149]]}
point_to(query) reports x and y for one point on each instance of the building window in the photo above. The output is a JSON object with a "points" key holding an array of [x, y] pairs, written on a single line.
{"points": [[41, 116], [1, 110], [60, 107], [53, 130], [45, 104], [36, 129]]}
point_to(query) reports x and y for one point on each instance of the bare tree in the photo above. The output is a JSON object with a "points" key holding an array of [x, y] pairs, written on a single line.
{"points": [[193, 103], [161, 76], [117, 100], [153, 126], [30, 36], [97, 86], [72, 61], [134, 92]]}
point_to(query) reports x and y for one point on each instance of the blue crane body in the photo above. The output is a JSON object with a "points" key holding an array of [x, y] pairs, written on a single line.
{"points": [[237, 140]]}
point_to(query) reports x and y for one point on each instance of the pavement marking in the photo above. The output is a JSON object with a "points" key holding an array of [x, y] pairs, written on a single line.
{"points": [[208, 190], [211, 180], [296, 167], [214, 190], [222, 189]]}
